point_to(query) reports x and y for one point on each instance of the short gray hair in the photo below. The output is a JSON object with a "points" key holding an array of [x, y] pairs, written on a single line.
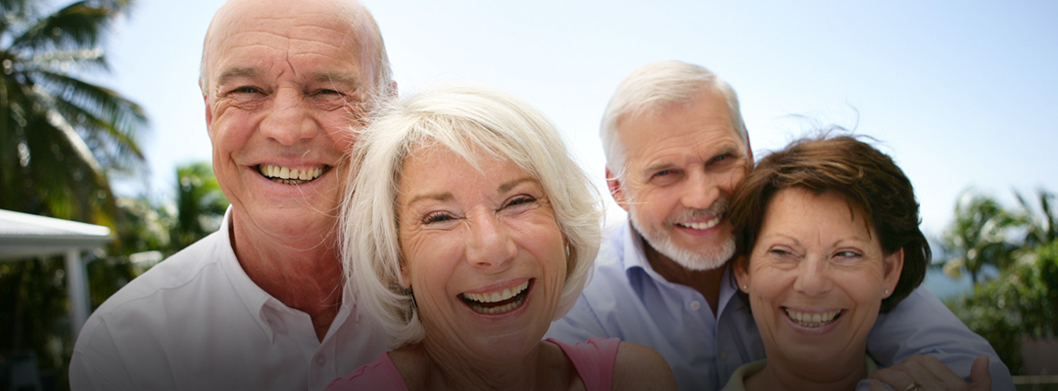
{"points": [[464, 119], [653, 88]]}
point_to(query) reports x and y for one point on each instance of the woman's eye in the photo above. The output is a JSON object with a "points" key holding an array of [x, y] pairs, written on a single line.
{"points": [[436, 217], [848, 254], [521, 200]]}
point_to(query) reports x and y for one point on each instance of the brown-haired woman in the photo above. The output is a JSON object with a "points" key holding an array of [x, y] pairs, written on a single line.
{"points": [[827, 238]]}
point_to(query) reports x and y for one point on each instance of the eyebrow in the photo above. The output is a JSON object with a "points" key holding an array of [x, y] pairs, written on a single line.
{"points": [[447, 196], [234, 73], [345, 79]]}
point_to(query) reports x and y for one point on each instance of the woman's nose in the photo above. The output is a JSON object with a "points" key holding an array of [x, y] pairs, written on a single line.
{"points": [[813, 277], [489, 244]]}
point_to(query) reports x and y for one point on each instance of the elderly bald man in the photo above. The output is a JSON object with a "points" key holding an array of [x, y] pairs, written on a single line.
{"points": [[259, 304]]}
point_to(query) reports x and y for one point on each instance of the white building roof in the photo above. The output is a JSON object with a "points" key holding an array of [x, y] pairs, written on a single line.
{"points": [[26, 236]]}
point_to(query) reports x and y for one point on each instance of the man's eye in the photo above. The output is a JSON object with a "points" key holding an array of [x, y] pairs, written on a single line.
{"points": [[722, 157], [662, 173], [328, 92], [246, 90]]}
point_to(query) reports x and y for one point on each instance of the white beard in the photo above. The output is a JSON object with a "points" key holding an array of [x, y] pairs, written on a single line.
{"points": [[699, 260]]}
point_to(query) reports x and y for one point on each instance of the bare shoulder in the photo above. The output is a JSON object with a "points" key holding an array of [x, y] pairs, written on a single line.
{"points": [[638, 367], [414, 366]]}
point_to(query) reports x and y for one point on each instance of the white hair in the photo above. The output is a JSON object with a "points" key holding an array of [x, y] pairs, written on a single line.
{"points": [[467, 120], [655, 87]]}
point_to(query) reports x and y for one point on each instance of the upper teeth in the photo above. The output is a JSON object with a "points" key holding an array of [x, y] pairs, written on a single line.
{"points": [[706, 225], [497, 296], [813, 319], [274, 171]]}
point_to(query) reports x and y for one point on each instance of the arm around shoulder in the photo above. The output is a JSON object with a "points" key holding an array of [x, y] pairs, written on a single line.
{"points": [[922, 325], [638, 367]]}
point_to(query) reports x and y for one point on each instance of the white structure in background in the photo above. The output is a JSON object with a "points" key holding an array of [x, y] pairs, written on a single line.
{"points": [[29, 237]]}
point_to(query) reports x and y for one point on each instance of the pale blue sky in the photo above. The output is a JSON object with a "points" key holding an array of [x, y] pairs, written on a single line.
{"points": [[960, 93]]}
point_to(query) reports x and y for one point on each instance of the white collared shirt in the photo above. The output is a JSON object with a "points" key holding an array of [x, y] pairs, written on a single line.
{"points": [[197, 322]]}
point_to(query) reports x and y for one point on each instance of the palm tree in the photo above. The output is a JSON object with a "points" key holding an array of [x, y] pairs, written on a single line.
{"points": [[60, 135], [200, 204], [978, 236], [1040, 229]]}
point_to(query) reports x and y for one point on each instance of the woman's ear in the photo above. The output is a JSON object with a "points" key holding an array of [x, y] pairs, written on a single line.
{"points": [[741, 274], [405, 276], [894, 265]]}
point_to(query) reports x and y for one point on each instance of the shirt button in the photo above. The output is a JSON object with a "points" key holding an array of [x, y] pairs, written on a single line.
{"points": [[695, 305], [723, 355], [319, 360]]}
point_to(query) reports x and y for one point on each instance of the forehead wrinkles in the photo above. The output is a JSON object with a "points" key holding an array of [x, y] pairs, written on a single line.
{"points": [[313, 34]]}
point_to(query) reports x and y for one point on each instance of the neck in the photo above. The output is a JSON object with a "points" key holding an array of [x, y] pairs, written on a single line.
{"points": [[306, 276], [836, 375], [544, 368], [706, 282]]}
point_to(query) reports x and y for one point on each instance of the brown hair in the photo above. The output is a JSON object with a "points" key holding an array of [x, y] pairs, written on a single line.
{"points": [[866, 178]]}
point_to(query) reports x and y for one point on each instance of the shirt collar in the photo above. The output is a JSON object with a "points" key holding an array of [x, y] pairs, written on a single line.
{"points": [[259, 302], [251, 295], [635, 258]]}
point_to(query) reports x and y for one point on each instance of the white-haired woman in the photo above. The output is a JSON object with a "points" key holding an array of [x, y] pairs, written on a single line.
{"points": [[466, 232]]}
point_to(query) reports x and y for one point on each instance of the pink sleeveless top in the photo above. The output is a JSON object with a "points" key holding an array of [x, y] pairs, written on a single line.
{"points": [[594, 361]]}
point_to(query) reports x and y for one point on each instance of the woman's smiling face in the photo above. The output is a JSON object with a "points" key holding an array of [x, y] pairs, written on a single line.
{"points": [[483, 253], [816, 278]]}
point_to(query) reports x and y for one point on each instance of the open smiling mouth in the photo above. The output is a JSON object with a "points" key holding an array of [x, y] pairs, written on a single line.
{"points": [[497, 302], [812, 319], [701, 226], [291, 176]]}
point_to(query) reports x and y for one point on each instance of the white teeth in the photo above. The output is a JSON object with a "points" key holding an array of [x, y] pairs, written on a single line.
{"points": [[497, 296], [813, 319], [290, 174], [706, 225]]}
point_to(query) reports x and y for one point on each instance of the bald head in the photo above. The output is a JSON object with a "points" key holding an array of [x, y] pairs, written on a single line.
{"points": [[291, 19]]}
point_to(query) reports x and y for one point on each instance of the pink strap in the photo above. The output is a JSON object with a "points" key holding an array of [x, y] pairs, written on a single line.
{"points": [[594, 360]]}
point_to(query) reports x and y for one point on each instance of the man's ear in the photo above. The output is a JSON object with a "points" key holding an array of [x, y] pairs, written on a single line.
{"points": [[209, 116], [741, 274], [894, 265], [616, 190]]}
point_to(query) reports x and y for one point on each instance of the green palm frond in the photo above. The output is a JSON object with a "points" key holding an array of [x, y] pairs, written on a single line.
{"points": [[59, 135], [78, 25]]}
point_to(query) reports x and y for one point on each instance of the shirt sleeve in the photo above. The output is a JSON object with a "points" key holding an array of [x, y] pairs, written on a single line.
{"points": [[922, 325], [96, 346]]}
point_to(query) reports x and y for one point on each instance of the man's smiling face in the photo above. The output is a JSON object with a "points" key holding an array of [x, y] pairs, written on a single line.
{"points": [[683, 164], [280, 96]]}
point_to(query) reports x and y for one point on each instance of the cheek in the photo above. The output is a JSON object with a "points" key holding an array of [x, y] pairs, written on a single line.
{"points": [[341, 134], [732, 180]]}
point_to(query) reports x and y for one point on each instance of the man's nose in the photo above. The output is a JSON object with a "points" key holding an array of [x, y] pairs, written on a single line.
{"points": [[700, 191], [288, 120], [489, 244]]}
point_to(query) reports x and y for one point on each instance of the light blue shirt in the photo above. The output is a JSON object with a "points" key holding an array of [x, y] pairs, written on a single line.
{"points": [[627, 299]]}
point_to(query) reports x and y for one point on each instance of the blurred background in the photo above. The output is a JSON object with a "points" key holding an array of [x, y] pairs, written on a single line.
{"points": [[102, 122]]}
